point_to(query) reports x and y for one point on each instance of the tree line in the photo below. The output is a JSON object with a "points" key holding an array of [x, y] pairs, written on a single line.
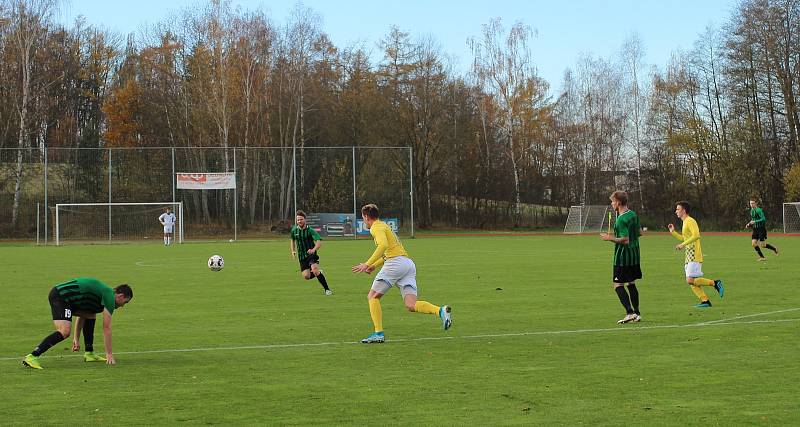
{"points": [[715, 125]]}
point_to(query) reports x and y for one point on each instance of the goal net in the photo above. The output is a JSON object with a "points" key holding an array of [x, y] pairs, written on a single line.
{"points": [[114, 222], [791, 218], [589, 219]]}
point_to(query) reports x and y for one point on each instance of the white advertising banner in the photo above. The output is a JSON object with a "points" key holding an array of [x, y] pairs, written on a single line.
{"points": [[206, 181]]}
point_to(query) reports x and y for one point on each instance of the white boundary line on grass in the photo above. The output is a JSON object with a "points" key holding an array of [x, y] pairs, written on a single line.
{"points": [[720, 322], [711, 322]]}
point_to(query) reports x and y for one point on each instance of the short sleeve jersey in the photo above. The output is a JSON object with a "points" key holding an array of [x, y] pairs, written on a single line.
{"points": [[87, 294], [758, 217], [304, 238], [627, 225], [167, 218]]}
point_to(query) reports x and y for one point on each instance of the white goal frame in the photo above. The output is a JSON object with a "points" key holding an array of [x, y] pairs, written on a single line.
{"points": [[587, 218], [177, 207], [791, 218]]}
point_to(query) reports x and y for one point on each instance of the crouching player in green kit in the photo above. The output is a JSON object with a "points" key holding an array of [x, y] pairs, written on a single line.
{"points": [[83, 297]]}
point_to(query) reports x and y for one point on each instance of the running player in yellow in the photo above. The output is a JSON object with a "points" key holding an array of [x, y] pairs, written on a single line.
{"points": [[690, 242], [397, 269]]}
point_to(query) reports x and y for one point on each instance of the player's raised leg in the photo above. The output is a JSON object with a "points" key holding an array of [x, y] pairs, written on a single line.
{"points": [[417, 306], [317, 272]]}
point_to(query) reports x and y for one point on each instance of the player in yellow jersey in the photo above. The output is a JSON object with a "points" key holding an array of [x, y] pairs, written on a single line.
{"points": [[690, 242], [397, 269]]}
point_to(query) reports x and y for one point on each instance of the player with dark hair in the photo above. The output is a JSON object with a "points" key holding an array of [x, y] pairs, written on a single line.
{"points": [[626, 256], [759, 223], [304, 243], [167, 219], [397, 269], [693, 265], [83, 297]]}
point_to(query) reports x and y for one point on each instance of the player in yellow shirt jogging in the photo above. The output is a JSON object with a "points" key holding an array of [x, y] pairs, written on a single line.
{"points": [[397, 269], [690, 242]]}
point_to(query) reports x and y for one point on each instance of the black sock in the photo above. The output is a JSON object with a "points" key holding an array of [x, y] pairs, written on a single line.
{"points": [[322, 280], [48, 342], [758, 250], [634, 297], [88, 334], [772, 248], [624, 299]]}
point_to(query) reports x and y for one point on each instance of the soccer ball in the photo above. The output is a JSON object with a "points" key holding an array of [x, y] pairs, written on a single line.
{"points": [[215, 263]]}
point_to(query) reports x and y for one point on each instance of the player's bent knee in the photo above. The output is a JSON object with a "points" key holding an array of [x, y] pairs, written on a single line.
{"points": [[411, 308], [64, 332]]}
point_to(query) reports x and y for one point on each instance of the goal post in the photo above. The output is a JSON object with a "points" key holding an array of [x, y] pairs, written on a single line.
{"points": [[791, 218], [589, 219], [113, 222]]}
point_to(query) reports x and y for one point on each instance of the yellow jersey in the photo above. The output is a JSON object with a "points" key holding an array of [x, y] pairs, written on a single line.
{"points": [[690, 237], [388, 245]]}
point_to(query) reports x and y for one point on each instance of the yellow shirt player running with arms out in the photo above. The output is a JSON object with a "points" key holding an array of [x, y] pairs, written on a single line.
{"points": [[397, 269], [693, 265]]}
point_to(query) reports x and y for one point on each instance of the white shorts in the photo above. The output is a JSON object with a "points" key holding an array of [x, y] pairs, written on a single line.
{"points": [[694, 269], [398, 271], [168, 228]]}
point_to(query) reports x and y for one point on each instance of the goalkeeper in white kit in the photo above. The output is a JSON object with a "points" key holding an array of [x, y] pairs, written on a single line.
{"points": [[167, 219]]}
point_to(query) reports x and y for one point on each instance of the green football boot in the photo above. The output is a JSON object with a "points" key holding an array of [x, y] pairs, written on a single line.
{"points": [[32, 361], [89, 356]]}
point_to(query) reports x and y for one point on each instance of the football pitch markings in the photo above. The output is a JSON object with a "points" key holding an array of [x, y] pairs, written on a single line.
{"points": [[731, 321]]}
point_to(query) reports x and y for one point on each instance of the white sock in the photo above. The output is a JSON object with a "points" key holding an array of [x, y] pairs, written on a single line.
{"points": [[166, 240]]}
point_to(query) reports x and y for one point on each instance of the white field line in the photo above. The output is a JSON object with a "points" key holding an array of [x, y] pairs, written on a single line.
{"points": [[711, 322], [721, 322]]}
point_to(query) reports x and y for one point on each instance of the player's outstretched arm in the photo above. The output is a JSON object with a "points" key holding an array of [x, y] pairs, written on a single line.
{"points": [[107, 337], [76, 336]]}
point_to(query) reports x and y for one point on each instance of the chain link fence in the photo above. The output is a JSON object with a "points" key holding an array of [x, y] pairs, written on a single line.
{"points": [[271, 183]]}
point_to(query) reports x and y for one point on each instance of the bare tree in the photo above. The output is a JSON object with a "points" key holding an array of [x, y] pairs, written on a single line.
{"points": [[632, 54], [503, 66], [30, 20]]}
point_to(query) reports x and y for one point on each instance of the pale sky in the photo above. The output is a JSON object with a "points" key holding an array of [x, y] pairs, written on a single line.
{"points": [[566, 29]]}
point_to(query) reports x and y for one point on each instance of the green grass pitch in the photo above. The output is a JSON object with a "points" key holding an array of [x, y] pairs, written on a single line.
{"points": [[534, 338]]}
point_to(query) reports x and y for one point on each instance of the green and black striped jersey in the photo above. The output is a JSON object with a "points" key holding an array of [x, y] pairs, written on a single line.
{"points": [[627, 225], [758, 218], [88, 295], [304, 238]]}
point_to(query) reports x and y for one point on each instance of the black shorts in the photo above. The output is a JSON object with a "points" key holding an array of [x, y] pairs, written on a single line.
{"points": [[627, 273], [58, 306], [760, 234], [305, 264]]}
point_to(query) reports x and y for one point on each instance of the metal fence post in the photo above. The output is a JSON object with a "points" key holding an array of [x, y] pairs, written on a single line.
{"points": [[294, 176], [235, 200], [355, 205], [173, 174], [109, 195], [411, 180], [45, 194]]}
